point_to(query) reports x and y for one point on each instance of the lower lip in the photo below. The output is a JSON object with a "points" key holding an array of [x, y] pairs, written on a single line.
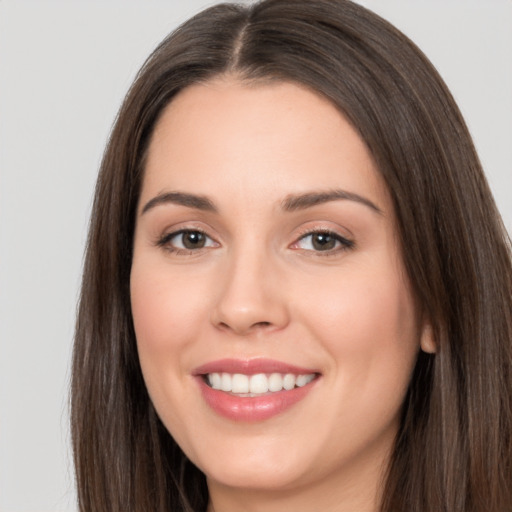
{"points": [[252, 409]]}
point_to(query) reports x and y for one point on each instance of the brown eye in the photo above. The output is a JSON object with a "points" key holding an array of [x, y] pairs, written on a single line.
{"points": [[323, 241], [186, 240], [193, 239]]}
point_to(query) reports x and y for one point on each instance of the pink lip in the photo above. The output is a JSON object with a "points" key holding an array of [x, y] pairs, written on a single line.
{"points": [[251, 409], [250, 367]]}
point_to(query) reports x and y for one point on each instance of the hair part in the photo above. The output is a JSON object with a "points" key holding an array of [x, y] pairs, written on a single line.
{"points": [[454, 448]]}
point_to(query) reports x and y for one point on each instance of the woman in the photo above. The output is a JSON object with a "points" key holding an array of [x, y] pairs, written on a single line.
{"points": [[297, 291]]}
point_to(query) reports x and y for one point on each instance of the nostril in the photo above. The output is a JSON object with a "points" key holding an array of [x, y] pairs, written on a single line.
{"points": [[248, 329], [262, 324]]}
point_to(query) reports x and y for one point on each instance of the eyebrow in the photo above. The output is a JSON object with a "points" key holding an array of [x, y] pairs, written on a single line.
{"points": [[180, 198], [303, 201], [290, 203]]}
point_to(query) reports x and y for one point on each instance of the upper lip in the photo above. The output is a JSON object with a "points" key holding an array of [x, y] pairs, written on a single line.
{"points": [[251, 367]]}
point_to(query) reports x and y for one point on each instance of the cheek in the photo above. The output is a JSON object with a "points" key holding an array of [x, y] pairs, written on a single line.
{"points": [[365, 304], [167, 312], [367, 323], [164, 308], [368, 328]]}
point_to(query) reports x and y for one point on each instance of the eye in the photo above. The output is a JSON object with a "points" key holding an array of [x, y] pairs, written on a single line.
{"points": [[323, 241], [186, 240]]}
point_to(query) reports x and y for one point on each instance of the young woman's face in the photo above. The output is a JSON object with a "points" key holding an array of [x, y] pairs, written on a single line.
{"points": [[275, 324]]}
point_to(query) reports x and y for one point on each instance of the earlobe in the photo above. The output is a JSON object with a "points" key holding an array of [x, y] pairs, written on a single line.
{"points": [[428, 343]]}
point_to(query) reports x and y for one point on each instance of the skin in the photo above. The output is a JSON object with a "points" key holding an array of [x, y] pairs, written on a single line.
{"points": [[260, 288]]}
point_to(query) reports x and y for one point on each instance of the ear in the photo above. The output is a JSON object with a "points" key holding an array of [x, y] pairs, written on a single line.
{"points": [[427, 341]]}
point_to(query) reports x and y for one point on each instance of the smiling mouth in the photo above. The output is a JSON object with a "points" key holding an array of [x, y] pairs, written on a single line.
{"points": [[258, 384], [252, 390]]}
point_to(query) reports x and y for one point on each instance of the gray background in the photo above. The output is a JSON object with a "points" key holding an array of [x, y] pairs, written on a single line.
{"points": [[64, 68]]}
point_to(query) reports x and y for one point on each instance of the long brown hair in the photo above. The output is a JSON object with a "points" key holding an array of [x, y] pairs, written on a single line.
{"points": [[454, 448]]}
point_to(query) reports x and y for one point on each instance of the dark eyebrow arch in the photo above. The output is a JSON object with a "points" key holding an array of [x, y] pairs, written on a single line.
{"points": [[302, 201], [180, 198]]}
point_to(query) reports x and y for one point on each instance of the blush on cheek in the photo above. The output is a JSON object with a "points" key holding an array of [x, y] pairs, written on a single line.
{"points": [[163, 318], [376, 312]]}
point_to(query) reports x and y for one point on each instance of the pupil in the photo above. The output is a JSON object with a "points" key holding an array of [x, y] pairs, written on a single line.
{"points": [[323, 242], [193, 240]]}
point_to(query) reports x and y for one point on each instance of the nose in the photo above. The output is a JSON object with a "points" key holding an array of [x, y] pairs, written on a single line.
{"points": [[251, 297]]}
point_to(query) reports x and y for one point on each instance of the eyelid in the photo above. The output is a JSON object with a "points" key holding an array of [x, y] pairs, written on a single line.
{"points": [[344, 243], [164, 240]]}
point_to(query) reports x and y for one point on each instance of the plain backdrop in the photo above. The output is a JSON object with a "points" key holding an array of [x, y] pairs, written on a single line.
{"points": [[64, 68]]}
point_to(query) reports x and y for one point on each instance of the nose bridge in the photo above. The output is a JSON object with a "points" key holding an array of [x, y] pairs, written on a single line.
{"points": [[250, 297]]}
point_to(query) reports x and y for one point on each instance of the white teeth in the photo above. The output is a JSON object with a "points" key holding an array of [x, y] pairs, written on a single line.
{"points": [[275, 382], [225, 382], [289, 381], [239, 383], [302, 380], [258, 383], [215, 381]]}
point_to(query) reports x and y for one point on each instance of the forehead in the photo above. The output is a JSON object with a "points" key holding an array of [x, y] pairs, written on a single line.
{"points": [[276, 137]]}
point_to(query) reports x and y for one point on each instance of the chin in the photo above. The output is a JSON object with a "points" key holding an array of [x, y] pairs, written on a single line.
{"points": [[256, 468], [270, 478]]}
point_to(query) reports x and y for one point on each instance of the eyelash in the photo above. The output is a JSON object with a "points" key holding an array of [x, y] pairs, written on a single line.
{"points": [[165, 240], [344, 243]]}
